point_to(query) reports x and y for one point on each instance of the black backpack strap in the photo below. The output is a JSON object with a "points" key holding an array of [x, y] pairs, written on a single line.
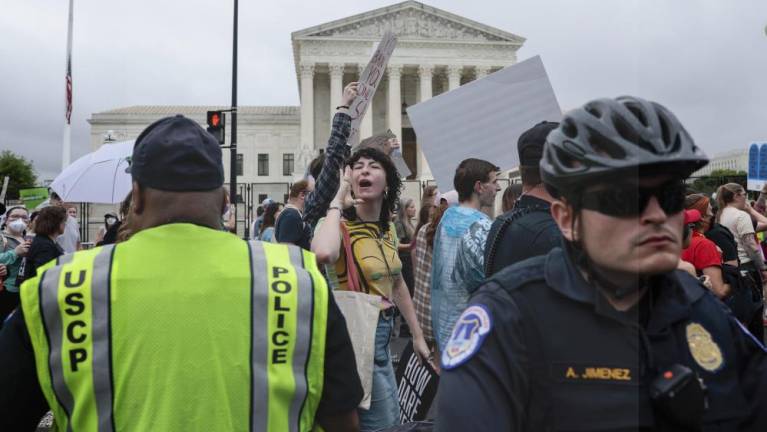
{"points": [[494, 239]]}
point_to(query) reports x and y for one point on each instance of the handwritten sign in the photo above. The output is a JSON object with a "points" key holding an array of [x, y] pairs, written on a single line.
{"points": [[417, 386], [368, 83]]}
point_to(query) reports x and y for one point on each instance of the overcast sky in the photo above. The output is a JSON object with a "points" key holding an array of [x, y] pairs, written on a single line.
{"points": [[704, 59]]}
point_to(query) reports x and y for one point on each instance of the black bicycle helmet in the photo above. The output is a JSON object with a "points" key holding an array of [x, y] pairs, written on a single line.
{"points": [[609, 137]]}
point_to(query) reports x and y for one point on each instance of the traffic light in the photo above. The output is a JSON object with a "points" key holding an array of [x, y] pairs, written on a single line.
{"points": [[216, 125]]}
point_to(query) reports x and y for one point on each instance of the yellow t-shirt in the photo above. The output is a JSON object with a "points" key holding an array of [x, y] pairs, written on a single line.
{"points": [[375, 255]]}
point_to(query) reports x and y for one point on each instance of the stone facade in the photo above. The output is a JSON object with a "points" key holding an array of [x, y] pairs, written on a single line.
{"points": [[436, 52]]}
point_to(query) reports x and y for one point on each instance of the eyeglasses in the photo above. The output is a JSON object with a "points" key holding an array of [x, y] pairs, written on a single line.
{"points": [[632, 200]]}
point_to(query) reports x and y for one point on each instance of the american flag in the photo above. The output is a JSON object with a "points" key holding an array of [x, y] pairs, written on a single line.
{"points": [[69, 67]]}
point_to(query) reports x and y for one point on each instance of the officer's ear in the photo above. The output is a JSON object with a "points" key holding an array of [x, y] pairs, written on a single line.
{"points": [[138, 199], [564, 215]]}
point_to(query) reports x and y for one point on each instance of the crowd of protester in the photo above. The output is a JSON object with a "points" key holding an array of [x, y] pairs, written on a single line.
{"points": [[426, 259]]}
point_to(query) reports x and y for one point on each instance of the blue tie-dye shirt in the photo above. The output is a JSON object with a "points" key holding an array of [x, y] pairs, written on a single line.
{"points": [[457, 266]]}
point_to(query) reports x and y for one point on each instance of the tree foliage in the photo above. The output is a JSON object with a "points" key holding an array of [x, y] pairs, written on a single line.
{"points": [[20, 171], [708, 184]]}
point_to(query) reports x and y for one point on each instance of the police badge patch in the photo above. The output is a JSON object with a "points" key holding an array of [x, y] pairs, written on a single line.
{"points": [[703, 348], [468, 334]]}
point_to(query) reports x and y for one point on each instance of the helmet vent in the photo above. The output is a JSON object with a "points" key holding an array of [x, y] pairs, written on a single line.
{"points": [[569, 128], [630, 134], [604, 146], [638, 113], [665, 132], [591, 109]]}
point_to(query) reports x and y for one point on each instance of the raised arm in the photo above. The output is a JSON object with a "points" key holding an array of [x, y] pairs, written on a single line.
{"points": [[326, 185]]}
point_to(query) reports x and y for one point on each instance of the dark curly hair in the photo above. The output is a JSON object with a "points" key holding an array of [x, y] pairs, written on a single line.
{"points": [[393, 182]]}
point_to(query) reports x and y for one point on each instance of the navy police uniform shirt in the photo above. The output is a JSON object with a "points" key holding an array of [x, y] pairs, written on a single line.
{"points": [[538, 349]]}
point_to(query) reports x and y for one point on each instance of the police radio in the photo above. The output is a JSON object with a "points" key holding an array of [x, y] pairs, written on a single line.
{"points": [[680, 396]]}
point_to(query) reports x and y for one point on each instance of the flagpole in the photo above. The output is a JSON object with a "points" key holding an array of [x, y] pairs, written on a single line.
{"points": [[67, 144]]}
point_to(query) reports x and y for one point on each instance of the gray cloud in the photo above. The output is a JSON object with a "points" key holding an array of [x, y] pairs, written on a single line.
{"points": [[704, 60]]}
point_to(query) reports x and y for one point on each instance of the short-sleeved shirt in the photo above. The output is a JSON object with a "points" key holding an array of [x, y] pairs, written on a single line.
{"points": [[290, 228], [702, 253], [739, 224], [375, 255]]}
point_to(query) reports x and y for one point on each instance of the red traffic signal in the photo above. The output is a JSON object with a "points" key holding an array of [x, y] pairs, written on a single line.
{"points": [[216, 125]]}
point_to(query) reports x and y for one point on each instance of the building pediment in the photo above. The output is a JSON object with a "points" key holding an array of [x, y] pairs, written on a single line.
{"points": [[409, 20]]}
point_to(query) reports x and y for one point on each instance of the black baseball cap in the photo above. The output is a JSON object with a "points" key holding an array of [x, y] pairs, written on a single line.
{"points": [[530, 143], [176, 154]]}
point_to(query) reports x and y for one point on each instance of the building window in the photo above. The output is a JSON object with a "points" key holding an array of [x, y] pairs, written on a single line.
{"points": [[240, 159], [263, 164], [287, 164]]}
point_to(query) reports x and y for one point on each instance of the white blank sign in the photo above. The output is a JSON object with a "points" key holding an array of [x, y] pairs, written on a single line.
{"points": [[483, 119]]}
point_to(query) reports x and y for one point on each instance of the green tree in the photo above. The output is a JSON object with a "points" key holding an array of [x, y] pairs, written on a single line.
{"points": [[19, 170], [708, 184]]}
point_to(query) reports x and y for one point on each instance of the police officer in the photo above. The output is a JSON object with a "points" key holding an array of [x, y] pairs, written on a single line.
{"points": [[627, 343], [182, 327]]}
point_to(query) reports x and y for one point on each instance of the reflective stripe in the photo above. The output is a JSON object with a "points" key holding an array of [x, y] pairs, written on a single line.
{"points": [[102, 344], [305, 312], [259, 387], [49, 308]]}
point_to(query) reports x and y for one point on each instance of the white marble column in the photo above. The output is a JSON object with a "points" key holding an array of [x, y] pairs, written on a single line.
{"points": [[307, 115], [454, 76], [481, 71], [394, 108], [425, 73], [366, 125], [336, 71]]}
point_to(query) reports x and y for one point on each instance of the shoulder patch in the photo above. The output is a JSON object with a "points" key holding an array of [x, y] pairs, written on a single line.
{"points": [[470, 330]]}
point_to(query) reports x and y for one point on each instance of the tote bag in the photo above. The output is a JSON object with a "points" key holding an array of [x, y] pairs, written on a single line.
{"points": [[361, 313]]}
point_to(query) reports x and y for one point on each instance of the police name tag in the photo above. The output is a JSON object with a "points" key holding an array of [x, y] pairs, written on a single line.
{"points": [[469, 332]]}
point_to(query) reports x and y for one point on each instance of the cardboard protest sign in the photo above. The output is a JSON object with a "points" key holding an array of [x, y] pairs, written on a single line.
{"points": [[484, 118], [417, 386], [368, 83], [400, 164], [757, 166], [33, 197]]}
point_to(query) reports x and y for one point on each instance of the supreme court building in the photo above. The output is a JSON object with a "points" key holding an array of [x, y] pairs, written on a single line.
{"points": [[436, 52]]}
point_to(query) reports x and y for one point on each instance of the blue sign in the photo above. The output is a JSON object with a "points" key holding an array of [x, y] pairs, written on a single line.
{"points": [[753, 162]]}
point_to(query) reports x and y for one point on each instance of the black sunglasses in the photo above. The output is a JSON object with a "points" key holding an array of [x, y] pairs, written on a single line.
{"points": [[632, 200]]}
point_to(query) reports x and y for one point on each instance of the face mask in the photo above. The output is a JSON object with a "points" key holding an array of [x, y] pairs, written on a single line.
{"points": [[110, 221], [17, 226]]}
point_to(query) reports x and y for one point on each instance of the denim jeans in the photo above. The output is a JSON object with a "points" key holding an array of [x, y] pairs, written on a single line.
{"points": [[384, 404]]}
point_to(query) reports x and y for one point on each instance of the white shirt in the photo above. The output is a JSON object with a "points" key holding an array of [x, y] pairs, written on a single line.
{"points": [[71, 237], [739, 223]]}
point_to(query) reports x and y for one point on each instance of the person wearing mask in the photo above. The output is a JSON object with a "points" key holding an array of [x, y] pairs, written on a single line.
{"points": [[144, 336], [113, 224], [628, 342], [271, 214], [367, 196], [733, 214], [527, 230], [457, 261], [13, 248], [50, 223], [290, 226]]}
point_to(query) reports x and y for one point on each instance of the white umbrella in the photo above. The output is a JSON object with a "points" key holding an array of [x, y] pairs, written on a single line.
{"points": [[97, 177]]}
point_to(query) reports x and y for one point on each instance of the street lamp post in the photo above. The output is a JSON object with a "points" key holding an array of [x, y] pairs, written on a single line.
{"points": [[233, 147]]}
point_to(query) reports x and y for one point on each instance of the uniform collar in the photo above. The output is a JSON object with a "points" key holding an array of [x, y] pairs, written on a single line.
{"points": [[677, 291]]}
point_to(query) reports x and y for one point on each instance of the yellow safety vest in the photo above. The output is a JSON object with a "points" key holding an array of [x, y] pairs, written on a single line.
{"points": [[180, 328]]}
